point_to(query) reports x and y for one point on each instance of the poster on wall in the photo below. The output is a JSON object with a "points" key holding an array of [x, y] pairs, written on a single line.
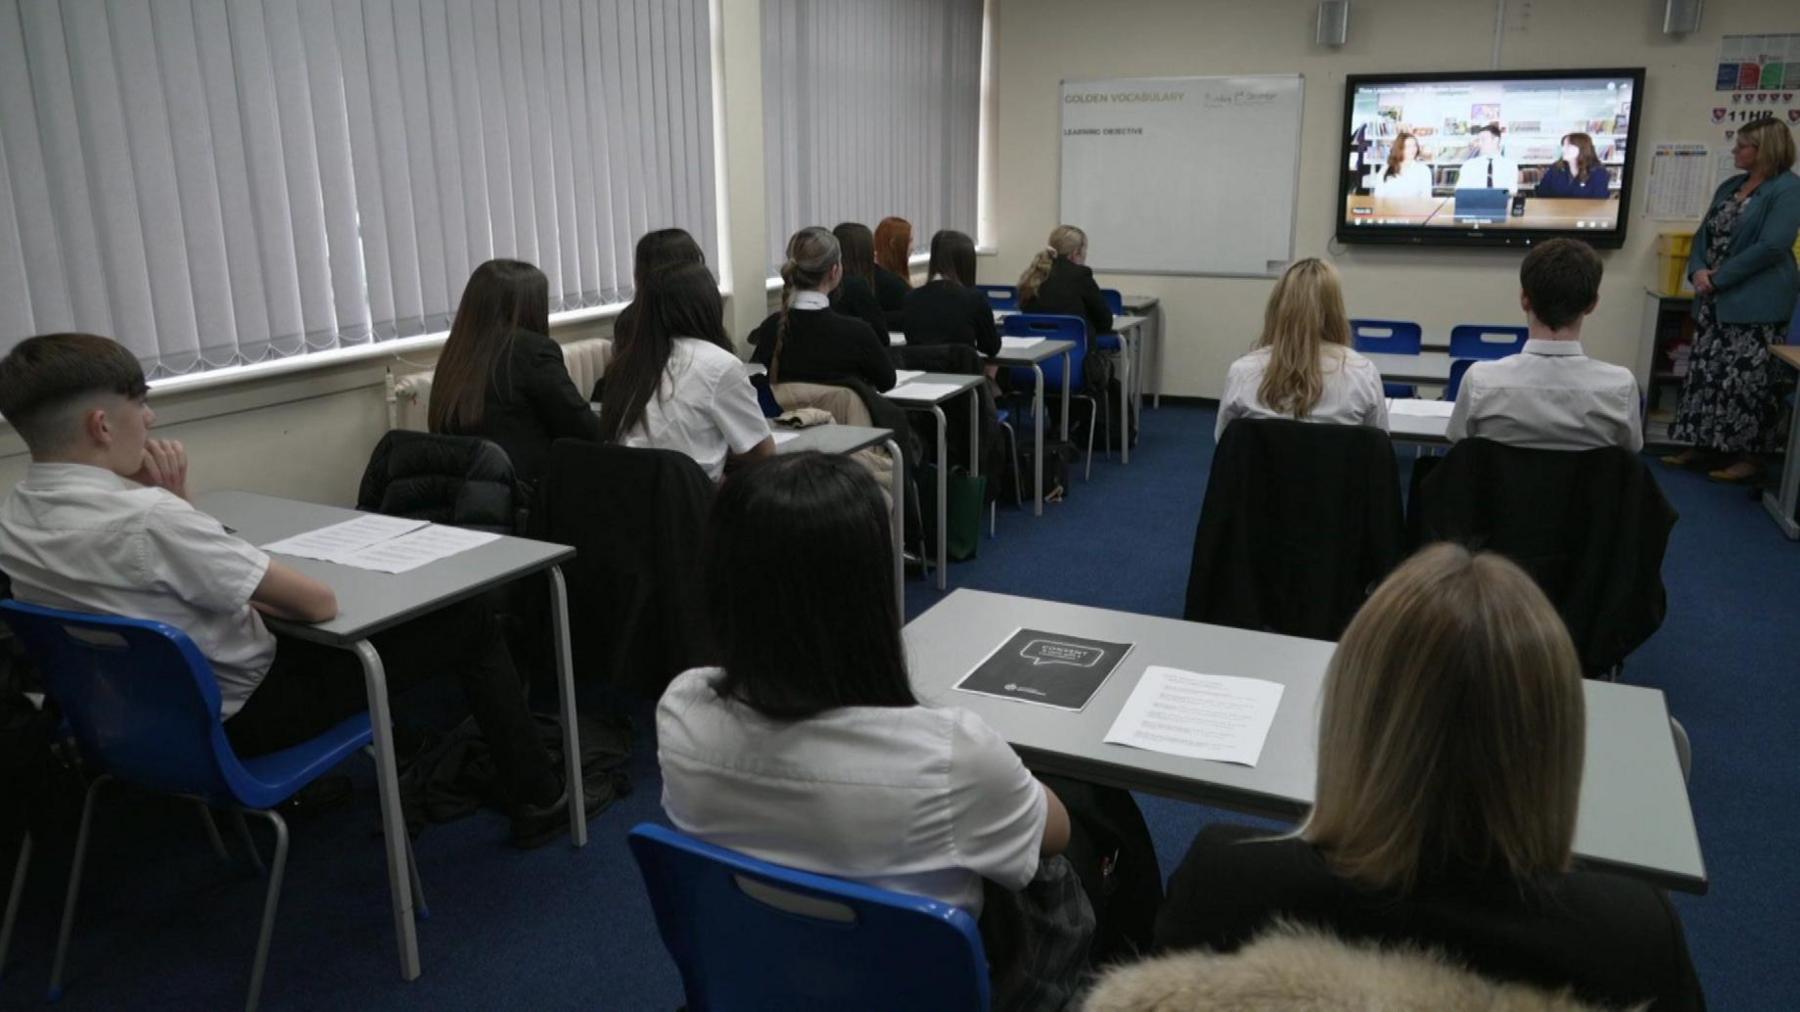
{"points": [[1757, 76]]}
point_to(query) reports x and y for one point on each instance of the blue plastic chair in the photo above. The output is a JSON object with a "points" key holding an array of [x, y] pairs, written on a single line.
{"points": [[1001, 296], [1484, 342], [1458, 367], [1055, 327], [143, 704], [747, 934], [1389, 337]]}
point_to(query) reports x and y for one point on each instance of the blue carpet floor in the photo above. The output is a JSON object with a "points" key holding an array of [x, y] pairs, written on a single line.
{"points": [[163, 925]]}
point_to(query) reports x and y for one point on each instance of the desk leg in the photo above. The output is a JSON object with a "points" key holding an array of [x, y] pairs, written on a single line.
{"points": [[1126, 354], [975, 432], [899, 492], [1037, 411], [1156, 394], [1781, 506], [393, 823], [565, 685], [1068, 363], [943, 499]]}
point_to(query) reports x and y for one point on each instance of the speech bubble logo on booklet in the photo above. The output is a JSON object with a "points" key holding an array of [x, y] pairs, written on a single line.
{"points": [[1042, 652]]}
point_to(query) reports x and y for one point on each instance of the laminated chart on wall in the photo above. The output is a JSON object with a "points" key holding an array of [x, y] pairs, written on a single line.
{"points": [[1183, 175], [1757, 76]]}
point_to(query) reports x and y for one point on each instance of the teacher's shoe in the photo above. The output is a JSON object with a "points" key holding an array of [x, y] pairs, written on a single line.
{"points": [[1690, 457], [1735, 474]]}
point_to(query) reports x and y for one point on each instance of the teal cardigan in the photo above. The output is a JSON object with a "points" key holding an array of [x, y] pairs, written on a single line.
{"points": [[1758, 280]]}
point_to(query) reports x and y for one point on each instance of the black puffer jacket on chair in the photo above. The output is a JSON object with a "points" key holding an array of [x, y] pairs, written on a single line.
{"points": [[459, 480]]}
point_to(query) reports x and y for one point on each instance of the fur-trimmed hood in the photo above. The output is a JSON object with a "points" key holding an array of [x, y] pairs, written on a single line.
{"points": [[1306, 970]]}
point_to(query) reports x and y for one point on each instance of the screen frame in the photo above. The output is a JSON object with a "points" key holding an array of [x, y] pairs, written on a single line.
{"points": [[1418, 235]]}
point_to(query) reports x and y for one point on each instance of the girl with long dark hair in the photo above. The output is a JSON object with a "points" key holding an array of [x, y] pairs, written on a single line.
{"points": [[949, 309], [675, 382], [500, 376], [855, 296]]}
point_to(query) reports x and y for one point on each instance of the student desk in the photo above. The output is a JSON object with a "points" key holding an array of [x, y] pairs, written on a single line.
{"points": [[1148, 307], [1417, 428], [1634, 817], [1130, 331], [912, 396], [1781, 503], [1034, 357], [849, 439], [370, 602], [1425, 367]]}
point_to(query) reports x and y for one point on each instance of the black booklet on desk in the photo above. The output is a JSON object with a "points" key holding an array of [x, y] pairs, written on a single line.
{"points": [[1050, 669]]}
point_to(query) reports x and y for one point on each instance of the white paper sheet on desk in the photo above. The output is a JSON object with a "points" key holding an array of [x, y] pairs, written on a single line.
{"points": [[1415, 407], [1019, 343], [410, 551], [896, 337], [333, 542], [902, 376], [924, 391], [1218, 717], [782, 437]]}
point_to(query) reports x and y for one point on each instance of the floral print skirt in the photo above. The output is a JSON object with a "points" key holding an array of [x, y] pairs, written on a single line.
{"points": [[1731, 400]]}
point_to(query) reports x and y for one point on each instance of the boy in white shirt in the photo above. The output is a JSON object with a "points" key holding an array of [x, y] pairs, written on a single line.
{"points": [[1551, 396], [101, 524]]}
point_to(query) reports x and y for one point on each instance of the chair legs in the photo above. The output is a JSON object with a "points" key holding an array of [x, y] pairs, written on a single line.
{"points": [[271, 898], [243, 834], [68, 917], [12, 900], [212, 832]]}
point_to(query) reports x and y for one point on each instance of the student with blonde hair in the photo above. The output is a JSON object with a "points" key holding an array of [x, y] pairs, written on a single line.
{"points": [[806, 340], [1451, 736], [1303, 366], [1060, 281]]}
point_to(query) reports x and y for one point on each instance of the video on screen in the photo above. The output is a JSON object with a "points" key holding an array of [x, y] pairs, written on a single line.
{"points": [[1492, 159]]}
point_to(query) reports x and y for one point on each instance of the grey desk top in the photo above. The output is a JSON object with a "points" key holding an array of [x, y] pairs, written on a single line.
{"points": [[964, 383], [833, 438], [369, 602], [1138, 303], [1047, 348], [1416, 428], [1426, 367], [1635, 816]]}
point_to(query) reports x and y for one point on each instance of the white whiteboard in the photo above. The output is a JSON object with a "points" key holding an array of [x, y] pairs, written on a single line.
{"points": [[1183, 175]]}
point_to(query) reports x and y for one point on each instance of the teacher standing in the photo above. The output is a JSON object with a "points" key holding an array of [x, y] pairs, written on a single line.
{"points": [[1742, 267]]}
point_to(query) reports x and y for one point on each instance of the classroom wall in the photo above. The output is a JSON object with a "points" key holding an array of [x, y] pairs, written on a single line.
{"points": [[1210, 321]]}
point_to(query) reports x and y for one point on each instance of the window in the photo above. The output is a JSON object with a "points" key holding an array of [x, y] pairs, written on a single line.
{"points": [[220, 183], [870, 108]]}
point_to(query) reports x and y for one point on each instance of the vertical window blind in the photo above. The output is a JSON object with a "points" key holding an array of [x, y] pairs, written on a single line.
{"points": [[223, 182], [871, 108]]}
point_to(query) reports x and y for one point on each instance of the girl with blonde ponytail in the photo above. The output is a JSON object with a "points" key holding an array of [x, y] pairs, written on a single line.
{"points": [[1302, 366], [1059, 281], [806, 341]]}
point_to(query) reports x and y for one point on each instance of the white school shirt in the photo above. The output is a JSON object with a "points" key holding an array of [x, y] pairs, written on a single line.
{"points": [[1550, 396], [1414, 180], [1474, 174], [810, 300], [920, 800], [1352, 394], [85, 539], [704, 407]]}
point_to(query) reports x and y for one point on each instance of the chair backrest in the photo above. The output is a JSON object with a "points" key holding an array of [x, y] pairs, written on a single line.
{"points": [[139, 695], [1386, 337], [1055, 327], [1115, 302], [747, 934], [1459, 367], [461, 480], [1486, 341], [1001, 296]]}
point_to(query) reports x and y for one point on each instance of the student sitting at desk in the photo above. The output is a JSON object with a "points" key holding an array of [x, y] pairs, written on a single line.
{"points": [[1303, 366], [949, 309], [1451, 732], [101, 523], [676, 383], [501, 377], [1578, 173], [807, 747], [855, 295], [893, 267], [1551, 396], [657, 250], [806, 340]]}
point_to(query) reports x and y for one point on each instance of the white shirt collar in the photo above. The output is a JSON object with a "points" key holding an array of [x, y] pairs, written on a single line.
{"points": [[1542, 346], [810, 300], [61, 475]]}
